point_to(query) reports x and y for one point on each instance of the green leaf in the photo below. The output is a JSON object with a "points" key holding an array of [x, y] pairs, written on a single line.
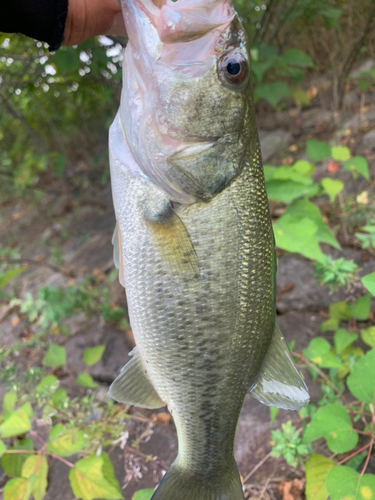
{"points": [[12, 462], [37, 465], [356, 461], [143, 494], [368, 336], [339, 311], [17, 423], [56, 356], [332, 187], [88, 480], [18, 489], [317, 468], [368, 281], [317, 151], [58, 396], [86, 380], [66, 60], [329, 325], [92, 355], [345, 483], [361, 381], [273, 413], [361, 308], [300, 173], [305, 208], [50, 382], [9, 402], [333, 423], [65, 443], [301, 97], [271, 92], [343, 339], [288, 191], [298, 57], [319, 352], [299, 236], [340, 153], [9, 275], [2, 448], [358, 164], [108, 471]]}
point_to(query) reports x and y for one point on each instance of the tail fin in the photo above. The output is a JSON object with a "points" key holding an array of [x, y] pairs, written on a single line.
{"points": [[179, 484]]}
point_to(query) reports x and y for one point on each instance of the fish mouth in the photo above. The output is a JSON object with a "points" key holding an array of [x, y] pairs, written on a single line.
{"points": [[186, 20]]}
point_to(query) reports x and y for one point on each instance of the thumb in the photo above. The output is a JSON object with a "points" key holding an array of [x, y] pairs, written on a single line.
{"points": [[118, 26]]}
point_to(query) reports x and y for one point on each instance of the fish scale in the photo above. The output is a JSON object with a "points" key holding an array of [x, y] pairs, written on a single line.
{"points": [[194, 242], [220, 315]]}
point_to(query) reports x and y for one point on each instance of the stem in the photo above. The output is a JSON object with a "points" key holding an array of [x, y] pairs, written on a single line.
{"points": [[346, 459], [258, 465], [371, 444], [69, 464], [323, 375], [38, 437], [146, 457], [35, 452], [36, 139]]}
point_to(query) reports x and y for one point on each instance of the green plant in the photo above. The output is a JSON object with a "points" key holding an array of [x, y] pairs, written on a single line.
{"points": [[52, 305], [336, 418], [367, 240], [82, 426], [275, 75], [288, 443], [335, 273]]}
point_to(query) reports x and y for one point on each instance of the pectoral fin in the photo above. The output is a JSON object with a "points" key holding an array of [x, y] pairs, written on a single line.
{"points": [[117, 253], [134, 387], [279, 382], [173, 242]]}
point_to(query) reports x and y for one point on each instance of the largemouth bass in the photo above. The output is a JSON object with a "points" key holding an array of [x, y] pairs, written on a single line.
{"points": [[194, 241]]}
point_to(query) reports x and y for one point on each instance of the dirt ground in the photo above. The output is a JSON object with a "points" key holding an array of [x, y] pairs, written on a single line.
{"points": [[83, 228]]}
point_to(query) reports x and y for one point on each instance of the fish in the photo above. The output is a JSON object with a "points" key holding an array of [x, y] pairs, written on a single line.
{"points": [[193, 242]]}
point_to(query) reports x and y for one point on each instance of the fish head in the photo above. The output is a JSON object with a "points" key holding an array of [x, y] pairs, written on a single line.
{"points": [[187, 94]]}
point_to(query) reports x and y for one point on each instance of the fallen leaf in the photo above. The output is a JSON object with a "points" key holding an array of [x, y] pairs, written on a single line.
{"points": [[363, 198], [333, 167], [292, 490], [163, 418], [312, 92], [288, 160], [15, 320]]}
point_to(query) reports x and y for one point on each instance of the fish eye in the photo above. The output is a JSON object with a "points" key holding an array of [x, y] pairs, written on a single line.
{"points": [[233, 68]]}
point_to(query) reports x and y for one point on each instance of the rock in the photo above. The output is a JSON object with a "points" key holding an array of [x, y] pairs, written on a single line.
{"points": [[95, 253], [363, 68], [118, 346], [297, 288], [305, 292], [273, 142], [58, 481], [368, 141]]}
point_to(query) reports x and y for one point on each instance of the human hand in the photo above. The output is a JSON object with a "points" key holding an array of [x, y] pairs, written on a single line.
{"points": [[87, 18]]}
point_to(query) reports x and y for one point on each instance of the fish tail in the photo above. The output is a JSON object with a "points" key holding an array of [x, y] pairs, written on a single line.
{"points": [[180, 484]]}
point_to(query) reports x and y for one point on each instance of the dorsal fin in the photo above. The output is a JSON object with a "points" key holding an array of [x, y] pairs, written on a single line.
{"points": [[278, 382]]}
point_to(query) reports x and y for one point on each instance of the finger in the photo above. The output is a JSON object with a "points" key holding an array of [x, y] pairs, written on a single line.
{"points": [[118, 26]]}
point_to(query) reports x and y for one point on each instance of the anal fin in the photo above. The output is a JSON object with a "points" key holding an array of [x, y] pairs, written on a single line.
{"points": [[133, 386], [278, 382], [173, 242]]}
